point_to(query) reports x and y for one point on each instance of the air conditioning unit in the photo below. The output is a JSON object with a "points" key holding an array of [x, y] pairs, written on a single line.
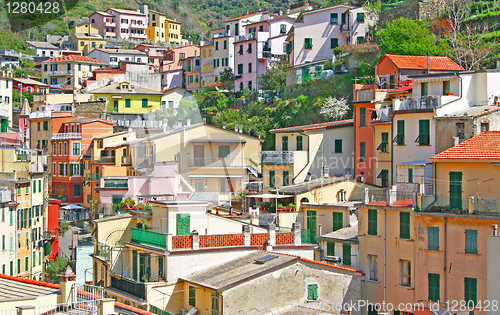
{"points": [[184, 311], [333, 259]]}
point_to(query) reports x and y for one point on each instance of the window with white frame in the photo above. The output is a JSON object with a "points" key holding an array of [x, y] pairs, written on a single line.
{"points": [[405, 271], [410, 174], [373, 260], [76, 148]]}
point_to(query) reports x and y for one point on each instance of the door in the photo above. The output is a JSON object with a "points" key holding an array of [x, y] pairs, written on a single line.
{"points": [[311, 226], [116, 199], [199, 155], [115, 106], [284, 143], [305, 74], [456, 190]]}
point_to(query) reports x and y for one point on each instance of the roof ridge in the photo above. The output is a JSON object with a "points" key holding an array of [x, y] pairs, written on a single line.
{"points": [[330, 265], [29, 281]]}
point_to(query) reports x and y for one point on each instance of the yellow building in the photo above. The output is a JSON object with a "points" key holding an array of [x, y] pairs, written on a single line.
{"points": [[108, 155], [85, 37], [173, 31], [124, 98], [157, 27]]}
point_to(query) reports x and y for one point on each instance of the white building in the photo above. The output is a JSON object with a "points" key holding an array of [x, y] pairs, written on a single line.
{"points": [[112, 57], [5, 100], [44, 49]]}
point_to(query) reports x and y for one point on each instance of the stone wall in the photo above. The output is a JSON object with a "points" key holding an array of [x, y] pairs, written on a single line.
{"points": [[93, 109], [413, 9]]}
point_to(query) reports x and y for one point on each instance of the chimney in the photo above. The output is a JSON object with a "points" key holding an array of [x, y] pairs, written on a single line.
{"points": [[296, 233], [188, 122], [272, 234], [223, 125], [67, 281], [246, 235], [495, 229], [196, 239], [241, 129], [236, 127]]}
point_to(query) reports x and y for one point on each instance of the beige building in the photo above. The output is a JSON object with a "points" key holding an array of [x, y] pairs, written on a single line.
{"points": [[85, 38], [69, 71], [157, 27]]}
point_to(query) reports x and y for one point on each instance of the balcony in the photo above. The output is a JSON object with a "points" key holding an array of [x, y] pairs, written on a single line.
{"points": [[417, 103], [110, 34], [126, 160], [138, 26], [109, 24], [37, 115], [115, 183], [129, 286], [59, 73], [93, 177], [382, 114], [106, 160], [4, 112], [277, 157], [389, 197], [344, 28], [149, 238], [67, 136], [49, 235], [136, 35], [103, 250], [254, 187], [461, 205], [228, 161], [23, 157]]}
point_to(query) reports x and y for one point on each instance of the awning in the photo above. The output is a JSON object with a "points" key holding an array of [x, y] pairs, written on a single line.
{"points": [[414, 163], [383, 174], [217, 176], [116, 96], [270, 196], [433, 79]]}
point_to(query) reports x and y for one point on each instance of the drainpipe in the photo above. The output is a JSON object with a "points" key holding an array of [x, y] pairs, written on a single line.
{"points": [[445, 261], [385, 256], [435, 189]]}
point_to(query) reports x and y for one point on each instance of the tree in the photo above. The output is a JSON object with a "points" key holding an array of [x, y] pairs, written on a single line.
{"points": [[56, 268], [334, 108], [467, 39], [408, 37], [274, 78], [63, 227], [212, 101], [227, 79]]}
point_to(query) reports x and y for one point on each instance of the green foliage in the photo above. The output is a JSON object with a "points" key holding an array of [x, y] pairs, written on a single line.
{"points": [[11, 40], [212, 101], [227, 79], [63, 227], [274, 78], [188, 108], [408, 37], [16, 97], [328, 65], [56, 268]]}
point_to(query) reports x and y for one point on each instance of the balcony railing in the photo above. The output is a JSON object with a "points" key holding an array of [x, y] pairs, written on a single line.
{"points": [[254, 187], [213, 162], [461, 205], [67, 136], [382, 114], [106, 159], [126, 160], [109, 24], [129, 286], [345, 28], [60, 73], [389, 197], [115, 183], [136, 35], [49, 235], [414, 103], [103, 250], [277, 157], [93, 177], [139, 26], [149, 238], [23, 157]]}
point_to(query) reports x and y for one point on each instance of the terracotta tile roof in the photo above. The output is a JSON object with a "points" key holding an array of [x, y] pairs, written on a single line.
{"points": [[313, 126], [244, 16], [330, 265], [485, 146], [29, 281], [400, 89], [77, 58], [420, 62]]}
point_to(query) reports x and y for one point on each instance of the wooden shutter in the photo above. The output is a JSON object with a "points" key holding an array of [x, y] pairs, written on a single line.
{"points": [[362, 116], [434, 287], [433, 238], [456, 190], [330, 249], [346, 253], [404, 225], [372, 222], [338, 221], [470, 291]]}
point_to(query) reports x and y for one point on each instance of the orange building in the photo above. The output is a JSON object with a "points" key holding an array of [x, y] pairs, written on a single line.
{"points": [[69, 144], [23, 229], [173, 57]]}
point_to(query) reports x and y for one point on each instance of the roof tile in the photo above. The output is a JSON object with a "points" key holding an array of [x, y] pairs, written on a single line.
{"points": [[420, 62], [74, 58], [484, 146]]}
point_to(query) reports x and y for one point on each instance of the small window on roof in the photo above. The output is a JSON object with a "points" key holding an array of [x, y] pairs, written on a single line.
{"points": [[264, 259]]}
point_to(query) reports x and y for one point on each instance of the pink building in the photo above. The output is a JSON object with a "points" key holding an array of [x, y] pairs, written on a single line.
{"points": [[119, 23], [173, 57], [155, 55], [164, 183]]}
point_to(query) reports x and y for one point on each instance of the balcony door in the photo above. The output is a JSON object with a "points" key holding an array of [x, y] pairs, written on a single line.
{"points": [[456, 190], [284, 143], [199, 155]]}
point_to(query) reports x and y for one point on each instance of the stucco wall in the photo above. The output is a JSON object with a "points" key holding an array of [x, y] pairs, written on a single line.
{"points": [[493, 270], [252, 297]]}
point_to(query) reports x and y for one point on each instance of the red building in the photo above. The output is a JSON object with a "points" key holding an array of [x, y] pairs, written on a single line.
{"points": [[51, 237], [69, 144]]}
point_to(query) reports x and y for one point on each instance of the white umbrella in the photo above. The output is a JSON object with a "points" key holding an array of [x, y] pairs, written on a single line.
{"points": [[72, 207]]}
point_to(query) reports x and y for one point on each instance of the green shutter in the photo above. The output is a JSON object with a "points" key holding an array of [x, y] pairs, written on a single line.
{"points": [[284, 142], [338, 145], [434, 287], [160, 267], [342, 16], [362, 116], [134, 265], [272, 177], [470, 291], [127, 103], [410, 175], [338, 221], [456, 190], [471, 241], [346, 254], [334, 18], [34, 259], [312, 292], [144, 103], [192, 296], [392, 81], [311, 226], [183, 223], [334, 43], [18, 265], [330, 249], [299, 143], [372, 222], [424, 132], [308, 43], [71, 170], [362, 151], [433, 238], [361, 17], [404, 225], [400, 137], [286, 178]]}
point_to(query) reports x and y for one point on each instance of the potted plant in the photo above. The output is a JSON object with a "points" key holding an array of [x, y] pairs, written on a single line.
{"points": [[280, 207], [412, 98], [447, 92], [430, 97]]}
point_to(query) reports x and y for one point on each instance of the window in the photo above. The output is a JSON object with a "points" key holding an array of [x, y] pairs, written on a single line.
{"points": [[170, 104], [400, 136], [360, 18], [433, 238], [425, 89], [423, 136], [284, 143], [65, 148], [215, 303], [338, 221], [144, 103], [249, 50], [312, 292], [249, 67], [3, 242], [471, 241], [470, 294], [372, 222], [183, 223], [383, 146], [373, 260], [346, 254], [272, 179], [224, 44], [204, 53], [76, 148], [77, 190], [485, 126], [286, 178], [362, 116], [459, 131], [338, 146], [38, 126], [434, 287], [404, 225], [192, 296], [299, 143], [334, 43], [283, 29], [362, 151], [330, 249], [308, 43], [334, 18], [405, 273], [209, 68], [446, 87], [28, 188], [210, 53], [240, 68], [45, 125], [360, 40], [127, 103]]}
